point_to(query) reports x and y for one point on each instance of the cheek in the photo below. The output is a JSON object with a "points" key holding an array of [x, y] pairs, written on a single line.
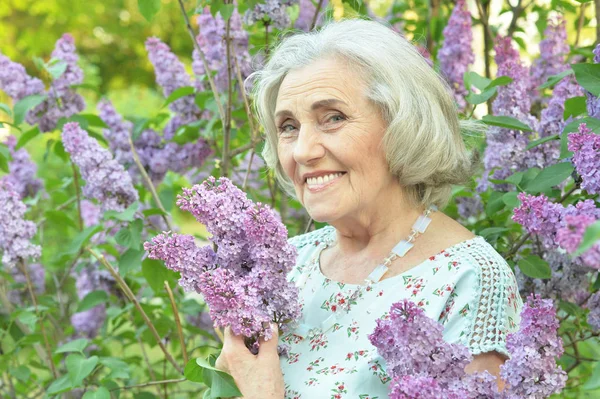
{"points": [[286, 160]]}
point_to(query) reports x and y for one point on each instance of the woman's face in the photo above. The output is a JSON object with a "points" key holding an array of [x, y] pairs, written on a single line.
{"points": [[329, 141]]}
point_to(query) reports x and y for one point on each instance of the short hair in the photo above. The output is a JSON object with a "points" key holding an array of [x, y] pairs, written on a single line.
{"points": [[423, 141]]}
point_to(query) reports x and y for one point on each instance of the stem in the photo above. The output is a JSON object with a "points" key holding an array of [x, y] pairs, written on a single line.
{"points": [[580, 23], [145, 355], [147, 384], [76, 182], [177, 322], [314, 20], [149, 183], [211, 82], [23, 268], [227, 125], [254, 137], [248, 171], [129, 294], [597, 9]]}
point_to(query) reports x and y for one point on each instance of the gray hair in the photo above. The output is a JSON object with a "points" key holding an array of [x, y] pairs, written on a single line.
{"points": [[423, 142]]}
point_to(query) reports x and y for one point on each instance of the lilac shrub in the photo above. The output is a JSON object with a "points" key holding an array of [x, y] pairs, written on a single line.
{"points": [[586, 157], [15, 81], [243, 281], [271, 12], [106, 179], [91, 278], [456, 54], [22, 171]]}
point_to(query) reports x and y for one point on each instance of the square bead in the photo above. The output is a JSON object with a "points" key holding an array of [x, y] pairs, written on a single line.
{"points": [[402, 248], [378, 273], [421, 224]]}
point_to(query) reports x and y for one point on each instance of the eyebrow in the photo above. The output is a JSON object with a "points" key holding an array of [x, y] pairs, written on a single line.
{"points": [[330, 102]]}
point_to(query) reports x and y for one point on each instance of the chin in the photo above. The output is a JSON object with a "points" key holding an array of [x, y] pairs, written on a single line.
{"points": [[322, 215]]}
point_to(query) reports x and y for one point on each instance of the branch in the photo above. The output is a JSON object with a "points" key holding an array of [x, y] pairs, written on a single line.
{"points": [[314, 20], [211, 82], [78, 196], [227, 125], [177, 322], [129, 294], [149, 183], [580, 23]]}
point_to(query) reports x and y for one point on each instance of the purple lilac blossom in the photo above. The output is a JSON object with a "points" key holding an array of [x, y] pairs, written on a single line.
{"points": [[106, 179], [37, 275], [593, 102], [505, 148], [15, 81], [273, 12], [15, 232], [456, 54], [211, 40], [570, 235], [531, 371], [552, 123], [538, 216], [469, 207], [22, 171], [593, 305], [90, 213], [586, 157], [554, 49], [243, 282], [307, 14], [61, 101], [91, 278]]}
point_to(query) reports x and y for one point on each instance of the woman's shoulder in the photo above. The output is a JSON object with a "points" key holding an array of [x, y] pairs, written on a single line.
{"points": [[312, 238]]}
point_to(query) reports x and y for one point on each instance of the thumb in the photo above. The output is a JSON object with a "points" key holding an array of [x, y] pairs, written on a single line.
{"points": [[270, 346]]}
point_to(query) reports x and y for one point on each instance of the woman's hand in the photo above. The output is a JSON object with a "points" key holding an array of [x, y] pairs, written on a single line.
{"points": [[257, 376]]}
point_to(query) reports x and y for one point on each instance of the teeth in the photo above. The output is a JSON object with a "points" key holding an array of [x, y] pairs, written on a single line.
{"points": [[312, 181]]}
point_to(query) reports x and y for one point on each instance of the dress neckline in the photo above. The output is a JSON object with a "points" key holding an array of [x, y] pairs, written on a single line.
{"points": [[329, 239]]}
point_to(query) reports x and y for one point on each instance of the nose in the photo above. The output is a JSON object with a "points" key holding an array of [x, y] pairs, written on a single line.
{"points": [[308, 147]]}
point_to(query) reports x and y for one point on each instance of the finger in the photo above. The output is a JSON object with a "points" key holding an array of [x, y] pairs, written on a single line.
{"points": [[270, 346], [233, 344]]}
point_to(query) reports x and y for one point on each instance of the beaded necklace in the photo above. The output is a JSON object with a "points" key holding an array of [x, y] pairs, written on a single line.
{"points": [[401, 249]]}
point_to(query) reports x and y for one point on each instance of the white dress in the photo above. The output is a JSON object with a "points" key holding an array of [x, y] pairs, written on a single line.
{"points": [[468, 287]]}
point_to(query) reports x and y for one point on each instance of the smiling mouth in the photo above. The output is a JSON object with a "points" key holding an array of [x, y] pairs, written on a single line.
{"points": [[319, 183]]}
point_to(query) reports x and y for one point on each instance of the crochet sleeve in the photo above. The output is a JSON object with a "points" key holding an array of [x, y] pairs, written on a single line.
{"points": [[488, 305], [306, 244]]}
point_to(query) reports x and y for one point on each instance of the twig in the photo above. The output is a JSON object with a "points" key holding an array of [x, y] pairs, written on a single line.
{"points": [[484, 18], [248, 171], [78, 195], [254, 137], [227, 125], [147, 384], [146, 359], [149, 183], [211, 82], [314, 20], [68, 273], [177, 322], [23, 268], [125, 288], [580, 22]]}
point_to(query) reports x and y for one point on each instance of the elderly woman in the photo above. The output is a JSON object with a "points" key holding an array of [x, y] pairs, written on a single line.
{"points": [[365, 134]]}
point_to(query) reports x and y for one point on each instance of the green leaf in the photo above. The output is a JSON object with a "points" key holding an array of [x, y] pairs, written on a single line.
{"points": [[500, 81], [149, 8], [27, 137], [226, 11], [588, 77], [4, 158], [22, 373], [550, 177], [25, 105], [494, 204], [490, 231], [101, 393], [130, 260], [590, 238], [125, 216], [136, 228], [91, 300], [79, 367], [510, 199], [94, 120], [593, 382], [506, 122], [554, 79], [152, 212], [193, 371], [201, 99], [156, 274], [123, 237], [472, 78], [535, 267], [221, 384], [591, 123], [77, 345], [62, 384], [574, 106], [59, 150], [543, 140], [59, 218], [177, 94], [474, 98], [187, 134], [28, 318], [81, 239], [6, 109], [56, 68]]}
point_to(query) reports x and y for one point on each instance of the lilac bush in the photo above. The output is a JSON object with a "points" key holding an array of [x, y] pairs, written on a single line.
{"points": [[22, 176]]}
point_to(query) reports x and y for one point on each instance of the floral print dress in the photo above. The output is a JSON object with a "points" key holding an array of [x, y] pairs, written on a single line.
{"points": [[468, 287]]}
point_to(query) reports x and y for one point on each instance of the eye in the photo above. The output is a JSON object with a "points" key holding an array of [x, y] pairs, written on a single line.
{"points": [[337, 118], [286, 128]]}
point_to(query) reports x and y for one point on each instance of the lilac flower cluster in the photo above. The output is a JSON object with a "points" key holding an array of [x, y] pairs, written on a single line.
{"points": [[15, 81], [456, 54], [88, 322], [22, 171], [423, 365], [531, 371], [558, 226], [593, 102], [244, 280], [106, 180], [15, 232], [61, 100], [211, 40], [586, 157], [307, 14], [554, 49], [272, 12]]}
